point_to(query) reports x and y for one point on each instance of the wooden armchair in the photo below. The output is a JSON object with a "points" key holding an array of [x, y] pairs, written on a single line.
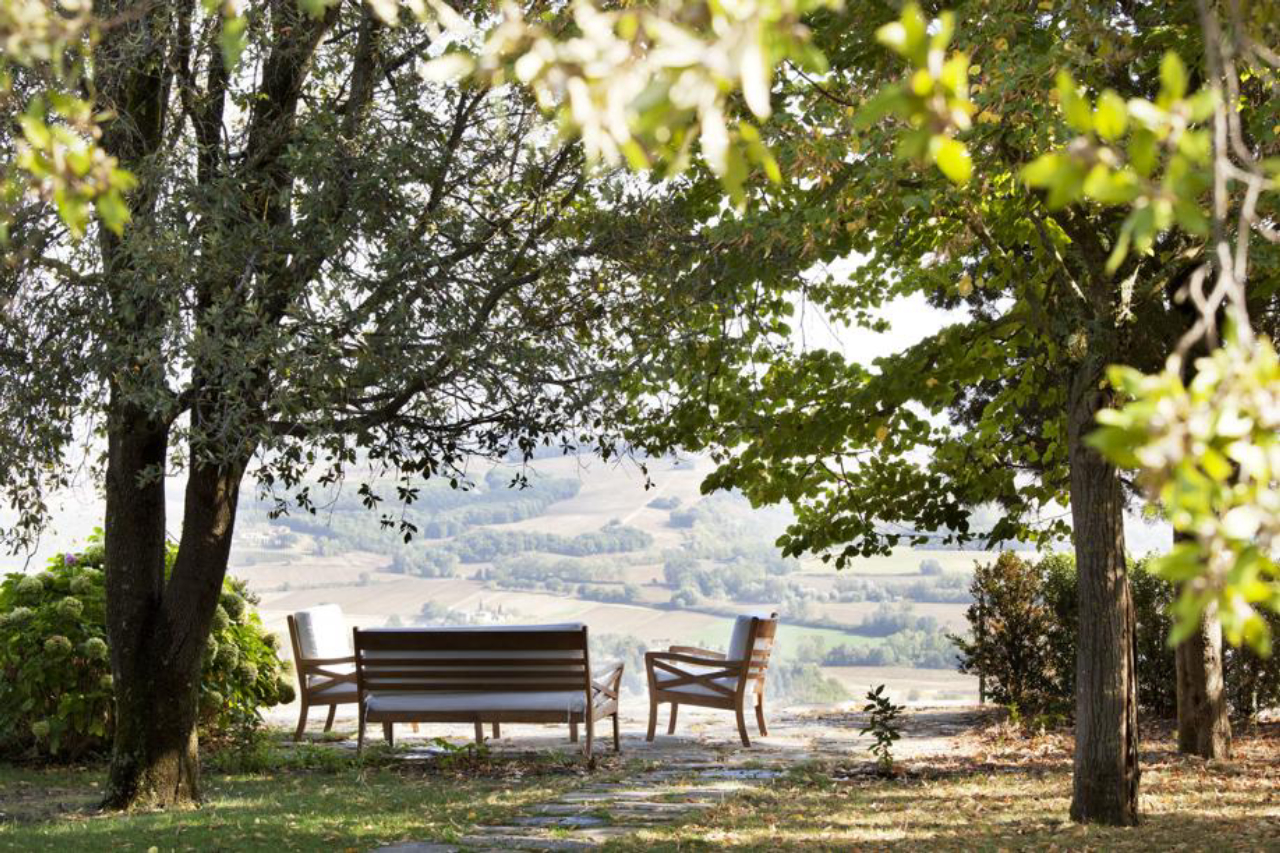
{"points": [[325, 662], [685, 675]]}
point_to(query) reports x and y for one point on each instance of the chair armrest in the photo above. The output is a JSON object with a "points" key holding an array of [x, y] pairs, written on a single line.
{"points": [[328, 661], [694, 650], [733, 666]]}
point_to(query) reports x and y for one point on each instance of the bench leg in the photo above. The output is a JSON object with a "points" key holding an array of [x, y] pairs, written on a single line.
{"points": [[302, 721], [671, 727], [496, 731], [328, 724], [479, 732], [573, 733], [389, 734], [617, 738], [764, 730], [653, 718]]}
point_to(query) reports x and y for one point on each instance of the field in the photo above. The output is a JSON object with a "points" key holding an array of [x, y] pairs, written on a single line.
{"points": [[298, 570]]}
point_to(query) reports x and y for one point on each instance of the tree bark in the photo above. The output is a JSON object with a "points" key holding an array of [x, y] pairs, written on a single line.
{"points": [[158, 629], [1106, 751], [1204, 728], [152, 761]]}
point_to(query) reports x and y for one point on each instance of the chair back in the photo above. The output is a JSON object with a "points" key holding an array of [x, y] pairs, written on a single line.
{"points": [[752, 641], [319, 632], [496, 659]]}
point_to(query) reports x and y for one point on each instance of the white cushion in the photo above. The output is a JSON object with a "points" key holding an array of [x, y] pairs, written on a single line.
{"points": [[345, 691], [742, 634], [566, 701], [322, 632], [339, 687]]}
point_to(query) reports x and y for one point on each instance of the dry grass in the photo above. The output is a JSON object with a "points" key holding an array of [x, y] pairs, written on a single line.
{"points": [[1014, 795]]}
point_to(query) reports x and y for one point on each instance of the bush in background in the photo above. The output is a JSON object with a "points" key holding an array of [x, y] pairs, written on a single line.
{"points": [[1023, 632], [56, 696]]}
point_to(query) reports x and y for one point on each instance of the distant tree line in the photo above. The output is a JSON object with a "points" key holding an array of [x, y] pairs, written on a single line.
{"points": [[484, 546]]}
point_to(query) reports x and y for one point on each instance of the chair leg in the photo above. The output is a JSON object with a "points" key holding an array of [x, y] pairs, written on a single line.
{"points": [[302, 722], [671, 726], [389, 734], [742, 727], [360, 736], [573, 732], [479, 732], [328, 724], [764, 730], [591, 731], [496, 731], [617, 737], [653, 719]]}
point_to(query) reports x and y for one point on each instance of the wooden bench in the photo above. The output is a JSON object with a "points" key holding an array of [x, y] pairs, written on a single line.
{"points": [[499, 674]]}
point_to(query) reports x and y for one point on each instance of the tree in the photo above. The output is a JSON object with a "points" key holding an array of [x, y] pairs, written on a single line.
{"points": [[329, 265], [994, 409]]}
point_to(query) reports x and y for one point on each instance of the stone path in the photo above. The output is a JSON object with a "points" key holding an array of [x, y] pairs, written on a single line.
{"points": [[693, 771]]}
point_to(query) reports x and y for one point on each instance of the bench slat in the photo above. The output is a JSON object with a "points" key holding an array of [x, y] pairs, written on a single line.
{"points": [[472, 641]]}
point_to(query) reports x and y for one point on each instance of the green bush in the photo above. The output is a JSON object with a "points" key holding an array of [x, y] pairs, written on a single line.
{"points": [[56, 696], [1027, 647]]}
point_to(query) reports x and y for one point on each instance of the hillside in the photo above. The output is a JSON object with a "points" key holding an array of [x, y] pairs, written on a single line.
{"points": [[584, 541]]}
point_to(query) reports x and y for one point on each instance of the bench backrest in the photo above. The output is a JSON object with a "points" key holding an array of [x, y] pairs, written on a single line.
{"points": [[500, 659]]}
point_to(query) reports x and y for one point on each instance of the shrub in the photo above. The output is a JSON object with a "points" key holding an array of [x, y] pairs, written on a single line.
{"points": [[1253, 682], [1010, 629], [930, 566], [56, 691], [1028, 650], [882, 726]]}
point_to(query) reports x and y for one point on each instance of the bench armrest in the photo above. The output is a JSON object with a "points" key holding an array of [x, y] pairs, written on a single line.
{"points": [[607, 681]]}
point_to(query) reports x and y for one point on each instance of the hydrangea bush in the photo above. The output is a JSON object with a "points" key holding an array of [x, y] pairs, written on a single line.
{"points": [[56, 697]]}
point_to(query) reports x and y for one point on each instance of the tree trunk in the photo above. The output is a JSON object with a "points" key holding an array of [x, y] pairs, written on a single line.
{"points": [[153, 760], [1204, 729], [1106, 752], [158, 629]]}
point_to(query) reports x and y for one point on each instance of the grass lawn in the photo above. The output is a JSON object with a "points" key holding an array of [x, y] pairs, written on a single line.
{"points": [[311, 799], [1016, 798]]}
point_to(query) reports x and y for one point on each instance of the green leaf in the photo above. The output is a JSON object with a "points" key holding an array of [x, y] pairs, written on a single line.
{"points": [[1075, 107], [112, 210], [233, 40], [316, 8], [952, 158], [1173, 77], [1111, 116], [888, 101]]}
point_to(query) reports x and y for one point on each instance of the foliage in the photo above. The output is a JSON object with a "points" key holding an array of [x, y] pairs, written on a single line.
{"points": [[56, 694], [1253, 682], [1010, 627], [645, 84], [882, 726], [1023, 639], [1210, 458], [483, 546]]}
